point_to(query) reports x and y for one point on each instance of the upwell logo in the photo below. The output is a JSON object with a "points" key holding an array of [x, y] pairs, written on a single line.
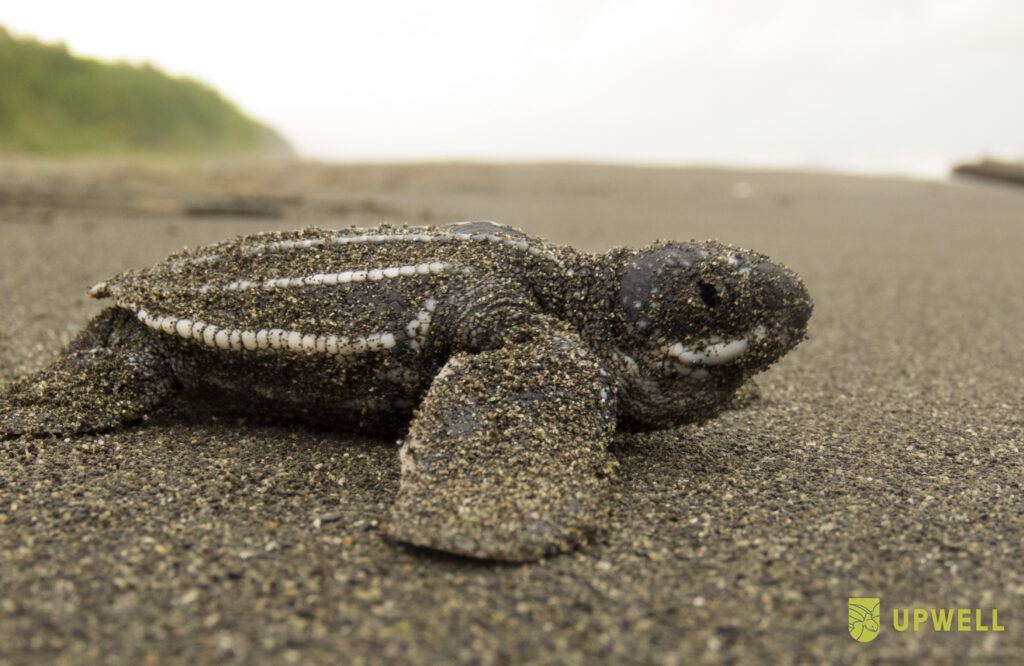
{"points": [[865, 619]]}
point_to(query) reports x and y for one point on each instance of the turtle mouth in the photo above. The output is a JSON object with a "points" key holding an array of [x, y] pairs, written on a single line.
{"points": [[670, 382], [716, 352], [694, 361], [697, 360]]}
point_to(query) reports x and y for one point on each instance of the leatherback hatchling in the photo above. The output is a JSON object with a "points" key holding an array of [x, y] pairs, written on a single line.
{"points": [[507, 361]]}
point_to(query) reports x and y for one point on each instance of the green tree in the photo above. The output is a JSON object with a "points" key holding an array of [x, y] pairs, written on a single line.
{"points": [[52, 102]]}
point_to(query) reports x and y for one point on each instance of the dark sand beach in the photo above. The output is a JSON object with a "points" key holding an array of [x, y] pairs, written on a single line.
{"points": [[882, 458]]}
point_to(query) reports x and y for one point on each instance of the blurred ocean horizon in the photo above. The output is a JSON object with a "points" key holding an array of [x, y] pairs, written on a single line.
{"points": [[919, 167]]}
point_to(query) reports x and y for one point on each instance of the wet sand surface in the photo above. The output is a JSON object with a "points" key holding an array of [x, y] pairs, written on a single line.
{"points": [[882, 458]]}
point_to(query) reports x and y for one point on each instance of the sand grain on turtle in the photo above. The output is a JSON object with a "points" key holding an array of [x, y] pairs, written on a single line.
{"points": [[505, 362]]}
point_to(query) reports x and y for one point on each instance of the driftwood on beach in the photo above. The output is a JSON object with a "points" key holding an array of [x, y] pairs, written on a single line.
{"points": [[1006, 172]]}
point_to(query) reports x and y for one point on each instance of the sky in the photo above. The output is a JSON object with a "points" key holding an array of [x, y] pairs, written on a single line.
{"points": [[869, 86]]}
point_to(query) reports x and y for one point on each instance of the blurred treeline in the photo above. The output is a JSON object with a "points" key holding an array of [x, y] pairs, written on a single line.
{"points": [[54, 103]]}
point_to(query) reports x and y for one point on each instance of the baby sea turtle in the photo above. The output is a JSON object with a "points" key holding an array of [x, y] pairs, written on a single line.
{"points": [[507, 362]]}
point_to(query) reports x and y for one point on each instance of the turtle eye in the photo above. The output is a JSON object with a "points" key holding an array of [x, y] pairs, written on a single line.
{"points": [[709, 294]]}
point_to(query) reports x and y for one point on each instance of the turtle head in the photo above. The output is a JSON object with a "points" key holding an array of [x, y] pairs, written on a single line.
{"points": [[692, 321]]}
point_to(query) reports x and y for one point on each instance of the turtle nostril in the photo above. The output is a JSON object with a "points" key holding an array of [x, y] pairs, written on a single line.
{"points": [[802, 305], [709, 294], [802, 314]]}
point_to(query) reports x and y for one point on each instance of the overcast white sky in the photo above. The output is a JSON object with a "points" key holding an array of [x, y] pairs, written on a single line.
{"points": [[900, 86]]}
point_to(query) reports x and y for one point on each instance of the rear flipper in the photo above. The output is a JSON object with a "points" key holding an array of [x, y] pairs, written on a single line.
{"points": [[114, 372], [506, 457]]}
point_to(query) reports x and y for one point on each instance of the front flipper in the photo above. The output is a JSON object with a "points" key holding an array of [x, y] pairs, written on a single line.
{"points": [[506, 457], [112, 373]]}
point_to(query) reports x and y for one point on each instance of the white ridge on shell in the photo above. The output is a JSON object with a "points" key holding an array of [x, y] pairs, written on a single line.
{"points": [[393, 236], [331, 279]]}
